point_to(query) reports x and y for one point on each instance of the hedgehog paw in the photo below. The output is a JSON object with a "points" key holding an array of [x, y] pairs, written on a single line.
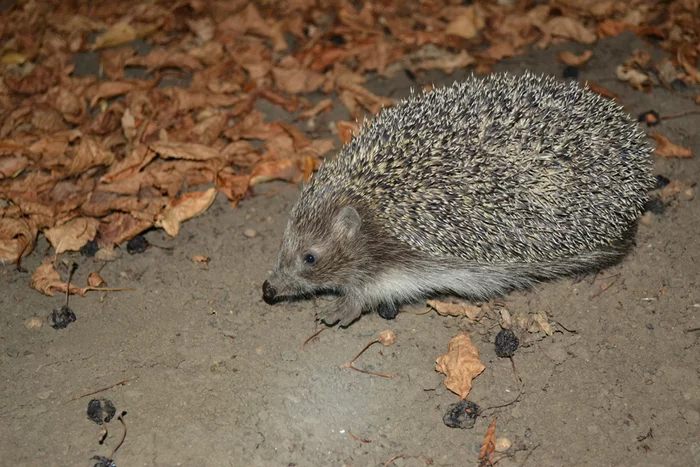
{"points": [[388, 310], [342, 312]]}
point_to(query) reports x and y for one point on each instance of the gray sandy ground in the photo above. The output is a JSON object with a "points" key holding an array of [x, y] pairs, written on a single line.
{"points": [[222, 379]]}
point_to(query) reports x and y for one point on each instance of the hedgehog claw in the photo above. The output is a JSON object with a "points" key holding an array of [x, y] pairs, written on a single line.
{"points": [[341, 312]]}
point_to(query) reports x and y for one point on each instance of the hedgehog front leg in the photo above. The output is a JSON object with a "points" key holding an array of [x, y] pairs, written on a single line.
{"points": [[343, 310]]}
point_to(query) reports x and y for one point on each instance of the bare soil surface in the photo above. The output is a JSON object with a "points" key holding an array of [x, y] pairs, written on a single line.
{"points": [[221, 379]]}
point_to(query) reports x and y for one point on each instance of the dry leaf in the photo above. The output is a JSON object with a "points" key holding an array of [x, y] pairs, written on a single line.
{"points": [[72, 235], [455, 308], [190, 151], [467, 24], [634, 77], [346, 130], [488, 445], [11, 165], [115, 35], [48, 281], [17, 237], [460, 364], [90, 154], [571, 59], [95, 280], [297, 80], [187, 206], [672, 189], [602, 90], [540, 322], [285, 169], [322, 106], [387, 338], [666, 148], [201, 259], [569, 28], [506, 320]]}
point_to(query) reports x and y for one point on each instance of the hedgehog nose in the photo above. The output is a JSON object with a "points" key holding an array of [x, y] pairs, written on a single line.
{"points": [[269, 293]]}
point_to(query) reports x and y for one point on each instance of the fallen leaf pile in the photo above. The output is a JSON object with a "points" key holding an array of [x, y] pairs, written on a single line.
{"points": [[166, 119]]}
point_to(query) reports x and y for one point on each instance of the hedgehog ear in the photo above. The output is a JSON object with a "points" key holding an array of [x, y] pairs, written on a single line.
{"points": [[347, 222]]}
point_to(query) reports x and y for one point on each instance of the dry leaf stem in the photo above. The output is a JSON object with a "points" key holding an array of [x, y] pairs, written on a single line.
{"points": [[350, 363]]}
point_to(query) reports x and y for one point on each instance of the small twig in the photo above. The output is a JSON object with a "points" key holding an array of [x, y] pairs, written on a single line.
{"points": [[121, 441], [362, 440], [109, 289], [604, 289], [418, 313], [350, 363], [104, 389], [572, 331], [679, 114], [529, 453], [73, 267], [423, 458], [313, 335], [692, 330]]}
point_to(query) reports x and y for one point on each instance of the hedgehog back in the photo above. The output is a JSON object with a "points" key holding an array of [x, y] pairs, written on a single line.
{"points": [[501, 169]]}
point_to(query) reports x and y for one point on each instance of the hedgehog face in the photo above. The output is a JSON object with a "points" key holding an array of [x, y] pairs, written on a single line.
{"points": [[316, 258]]}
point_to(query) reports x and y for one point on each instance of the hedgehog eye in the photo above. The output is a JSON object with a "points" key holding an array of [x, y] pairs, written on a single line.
{"points": [[309, 258]]}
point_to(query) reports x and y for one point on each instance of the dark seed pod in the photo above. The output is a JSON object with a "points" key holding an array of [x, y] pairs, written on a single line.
{"points": [[62, 317], [506, 343], [89, 249], [570, 72], [138, 244], [461, 415], [650, 117]]}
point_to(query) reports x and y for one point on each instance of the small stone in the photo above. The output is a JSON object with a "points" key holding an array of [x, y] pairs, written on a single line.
{"points": [[44, 394], [503, 444], [33, 323], [250, 233], [12, 352], [289, 355], [687, 194]]}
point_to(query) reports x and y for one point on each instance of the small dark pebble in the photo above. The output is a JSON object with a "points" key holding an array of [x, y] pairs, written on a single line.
{"points": [[655, 206], [12, 352], [411, 75], [137, 244], [679, 85], [650, 326], [101, 410], [506, 343], [62, 317], [661, 182], [388, 310], [650, 117], [570, 72], [89, 249], [461, 415], [337, 39], [103, 461]]}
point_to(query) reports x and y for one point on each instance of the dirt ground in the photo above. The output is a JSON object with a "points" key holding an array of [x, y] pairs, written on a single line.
{"points": [[221, 378]]}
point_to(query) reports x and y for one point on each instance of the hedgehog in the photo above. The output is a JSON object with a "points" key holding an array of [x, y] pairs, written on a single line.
{"points": [[473, 190]]}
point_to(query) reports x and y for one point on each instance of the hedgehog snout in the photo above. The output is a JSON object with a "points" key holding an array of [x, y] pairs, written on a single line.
{"points": [[269, 293]]}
